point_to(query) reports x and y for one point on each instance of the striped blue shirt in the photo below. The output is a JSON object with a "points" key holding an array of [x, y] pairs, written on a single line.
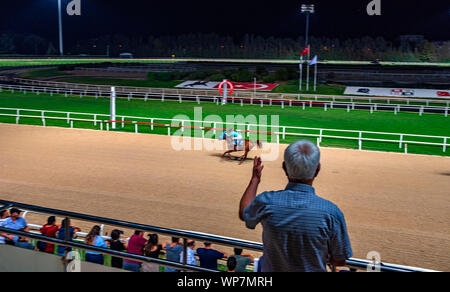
{"points": [[300, 230]]}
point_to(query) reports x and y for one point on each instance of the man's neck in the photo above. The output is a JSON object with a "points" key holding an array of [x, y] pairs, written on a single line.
{"points": [[296, 181]]}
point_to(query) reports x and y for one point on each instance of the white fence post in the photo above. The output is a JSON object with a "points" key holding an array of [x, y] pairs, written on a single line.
{"points": [[152, 124], [406, 148], [168, 130], [360, 141], [136, 130], [401, 141], [445, 144]]}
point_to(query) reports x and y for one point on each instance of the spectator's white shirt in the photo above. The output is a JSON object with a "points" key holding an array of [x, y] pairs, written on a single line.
{"points": [[190, 260], [2, 239]]}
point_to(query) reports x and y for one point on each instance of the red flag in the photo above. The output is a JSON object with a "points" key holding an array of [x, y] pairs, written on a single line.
{"points": [[305, 51]]}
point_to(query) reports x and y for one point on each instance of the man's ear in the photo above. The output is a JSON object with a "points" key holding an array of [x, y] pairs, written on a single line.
{"points": [[318, 170], [285, 169]]}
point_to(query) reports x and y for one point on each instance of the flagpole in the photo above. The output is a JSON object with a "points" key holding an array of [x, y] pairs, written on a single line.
{"points": [[307, 73], [301, 74], [315, 77]]}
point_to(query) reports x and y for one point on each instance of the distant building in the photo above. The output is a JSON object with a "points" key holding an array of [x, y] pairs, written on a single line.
{"points": [[126, 55]]}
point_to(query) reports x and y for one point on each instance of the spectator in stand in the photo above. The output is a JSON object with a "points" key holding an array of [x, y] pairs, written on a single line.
{"points": [[190, 255], [94, 238], [62, 235], [231, 264], [136, 246], [173, 252], [16, 222], [208, 256], [3, 216], [152, 250], [48, 230], [116, 244], [242, 260], [301, 231]]}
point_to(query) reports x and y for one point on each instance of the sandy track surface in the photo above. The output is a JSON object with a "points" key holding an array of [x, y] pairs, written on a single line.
{"points": [[395, 204]]}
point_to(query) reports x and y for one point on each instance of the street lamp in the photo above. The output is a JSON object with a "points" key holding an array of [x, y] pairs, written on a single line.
{"points": [[61, 48]]}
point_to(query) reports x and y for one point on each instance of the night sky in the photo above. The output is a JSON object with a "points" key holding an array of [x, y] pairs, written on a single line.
{"points": [[338, 18]]}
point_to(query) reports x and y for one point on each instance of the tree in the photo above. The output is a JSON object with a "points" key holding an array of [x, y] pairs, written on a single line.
{"points": [[51, 49], [6, 44], [427, 51]]}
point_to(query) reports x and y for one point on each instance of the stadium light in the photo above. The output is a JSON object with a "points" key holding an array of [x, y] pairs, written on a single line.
{"points": [[307, 9]]}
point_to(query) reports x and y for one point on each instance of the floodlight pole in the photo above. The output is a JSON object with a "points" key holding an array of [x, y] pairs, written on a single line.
{"points": [[61, 48], [307, 9], [307, 31]]}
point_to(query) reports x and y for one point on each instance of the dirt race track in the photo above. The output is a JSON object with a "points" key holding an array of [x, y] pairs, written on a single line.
{"points": [[398, 205]]}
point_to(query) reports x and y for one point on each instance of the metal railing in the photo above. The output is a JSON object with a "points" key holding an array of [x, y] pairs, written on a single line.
{"points": [[226, 241], [167, 95], [317, 133], [139, 91]]}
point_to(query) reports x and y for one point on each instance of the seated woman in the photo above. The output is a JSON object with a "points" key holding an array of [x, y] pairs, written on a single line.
{"points": [[94, 238]]}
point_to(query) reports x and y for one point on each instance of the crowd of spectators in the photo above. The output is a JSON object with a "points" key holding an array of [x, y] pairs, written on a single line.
{"points": [[137, 244], [301, 231]]}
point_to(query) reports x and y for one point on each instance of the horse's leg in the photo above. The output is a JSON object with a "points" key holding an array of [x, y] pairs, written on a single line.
{"points": [[247, 150], [228, 153]]}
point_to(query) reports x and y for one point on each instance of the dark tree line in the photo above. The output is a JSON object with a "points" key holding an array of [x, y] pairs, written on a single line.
{"points": [[250, 46]]}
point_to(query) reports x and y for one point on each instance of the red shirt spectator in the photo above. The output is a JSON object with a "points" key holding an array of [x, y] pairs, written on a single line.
{"points": [[50, 230], [136, 245]]}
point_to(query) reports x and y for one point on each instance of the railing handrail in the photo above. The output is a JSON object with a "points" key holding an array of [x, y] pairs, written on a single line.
{"points": [[356, 263], [224, 123], [266, 94]]}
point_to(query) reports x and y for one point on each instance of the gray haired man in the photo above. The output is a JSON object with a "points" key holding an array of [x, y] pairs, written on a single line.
{"points": [[301, 231]]}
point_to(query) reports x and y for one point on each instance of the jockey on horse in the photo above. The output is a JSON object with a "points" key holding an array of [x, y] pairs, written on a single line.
{"points": [[235, 143]]}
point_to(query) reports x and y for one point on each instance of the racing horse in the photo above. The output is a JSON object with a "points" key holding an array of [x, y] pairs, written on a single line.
{"points": [[236, 145]]}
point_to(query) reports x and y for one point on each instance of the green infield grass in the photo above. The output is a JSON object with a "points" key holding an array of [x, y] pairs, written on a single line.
{"points": [[358, 120]]}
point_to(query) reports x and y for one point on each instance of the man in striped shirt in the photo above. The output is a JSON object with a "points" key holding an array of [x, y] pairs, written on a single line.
{"points": [[301, 231]]}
